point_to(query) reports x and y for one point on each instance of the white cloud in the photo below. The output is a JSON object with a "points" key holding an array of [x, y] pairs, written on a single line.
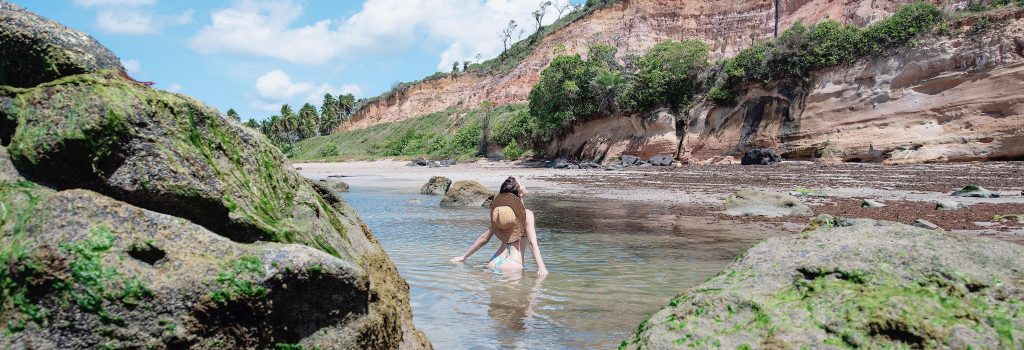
{"points": [[276, 88], [133, 66], [265, 28], [90, 3], [125, 22], [278, 85], [175, 87]]}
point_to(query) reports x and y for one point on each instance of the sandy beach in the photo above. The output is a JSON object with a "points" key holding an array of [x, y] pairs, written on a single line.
{"points": [[910, 191]]}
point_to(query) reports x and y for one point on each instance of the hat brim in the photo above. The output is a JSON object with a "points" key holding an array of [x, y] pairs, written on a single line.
{"points": [[516, 232]]}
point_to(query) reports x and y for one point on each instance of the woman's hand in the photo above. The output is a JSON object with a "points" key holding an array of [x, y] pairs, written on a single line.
{"points": [[458, 259], [542, 271]]}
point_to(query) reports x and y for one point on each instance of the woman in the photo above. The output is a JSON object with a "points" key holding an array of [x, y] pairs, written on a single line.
{"points": [[509, 221]]}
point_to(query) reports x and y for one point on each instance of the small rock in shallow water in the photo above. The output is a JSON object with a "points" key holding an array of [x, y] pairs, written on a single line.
{"points": [[436, 186], [871, 203], [629, 160], [975, 191], [806, 192], [949, 205], [754, 203]]}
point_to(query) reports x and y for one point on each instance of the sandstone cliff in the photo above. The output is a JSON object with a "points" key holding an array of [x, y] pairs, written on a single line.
{"points": [[137, 218], [631, 26], [953, 97]]}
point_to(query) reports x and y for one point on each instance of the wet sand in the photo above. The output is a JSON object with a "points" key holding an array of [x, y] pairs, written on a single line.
{"points": [[910, 191]]}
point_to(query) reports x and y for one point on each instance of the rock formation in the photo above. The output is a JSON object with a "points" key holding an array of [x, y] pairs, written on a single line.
{"points": [[467, 193], [957, 96], [436, 186], [864, 284], [137, 218], [632, 27]]}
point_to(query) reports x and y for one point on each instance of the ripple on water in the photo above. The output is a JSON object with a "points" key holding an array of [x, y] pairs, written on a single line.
{"points": [[611, 265]]}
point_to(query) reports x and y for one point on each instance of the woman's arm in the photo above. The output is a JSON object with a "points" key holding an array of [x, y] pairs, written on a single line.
{"points": [[480, 242], [531, 234]]}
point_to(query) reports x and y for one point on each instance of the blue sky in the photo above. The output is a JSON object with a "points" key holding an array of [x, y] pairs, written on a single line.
{"points": [[254, 55]]}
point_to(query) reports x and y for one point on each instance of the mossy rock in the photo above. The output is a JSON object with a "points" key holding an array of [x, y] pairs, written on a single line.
{"points": [[975, 191], [436, 186], [871, 285], [171, 154], [34, 50], [467, 193], [94, 272], [756, 203]]}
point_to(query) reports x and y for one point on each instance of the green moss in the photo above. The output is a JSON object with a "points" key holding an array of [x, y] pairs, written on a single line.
{"points": [[92, 283], [22, 267], [235, 281]]}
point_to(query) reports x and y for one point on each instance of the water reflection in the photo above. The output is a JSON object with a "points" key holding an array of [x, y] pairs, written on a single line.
{"points": [[612, 265]]}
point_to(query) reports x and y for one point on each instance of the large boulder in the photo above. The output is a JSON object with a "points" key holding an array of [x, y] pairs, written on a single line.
{"points": [[35, 50], [467, 193], [755, 203], [871, 285], [760, 156], [436, 186], [143, 219]]}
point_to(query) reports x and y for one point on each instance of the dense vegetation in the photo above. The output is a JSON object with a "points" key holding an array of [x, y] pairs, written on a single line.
{"points": [[288, 127], [673, 74], [509, 58], [452, 134]]}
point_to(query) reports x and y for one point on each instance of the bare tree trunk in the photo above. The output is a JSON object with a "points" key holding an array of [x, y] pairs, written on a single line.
{"points": [[776, 18]]}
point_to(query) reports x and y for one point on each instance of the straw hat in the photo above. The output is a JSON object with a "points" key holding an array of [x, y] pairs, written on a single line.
{"points": [[508, 217]]}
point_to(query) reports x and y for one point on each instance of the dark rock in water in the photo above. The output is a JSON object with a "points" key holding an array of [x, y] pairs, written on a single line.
{"points": [[628, 160], [436, 186], [145, 219], [590, 165], [975, 191], [760, 156], [335, 185], [874, 284], [418, 162], [34, 50], [754, 203], [467, 193], [433, 164], [448, 162], [661, 160]]}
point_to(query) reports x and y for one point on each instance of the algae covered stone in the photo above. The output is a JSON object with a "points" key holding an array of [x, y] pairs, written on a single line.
{"points": [[35, 50], [756, 203], [437, 185], [872, 285], [136, 218]]}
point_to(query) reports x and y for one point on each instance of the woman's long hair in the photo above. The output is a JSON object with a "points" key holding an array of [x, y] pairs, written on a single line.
{"points": [[510, 186]]}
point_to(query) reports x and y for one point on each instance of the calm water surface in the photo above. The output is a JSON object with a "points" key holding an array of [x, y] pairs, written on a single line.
{"points": [[611, 266]]}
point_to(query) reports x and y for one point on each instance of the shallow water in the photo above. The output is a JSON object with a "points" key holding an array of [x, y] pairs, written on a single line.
{"points": [[611, 267]]}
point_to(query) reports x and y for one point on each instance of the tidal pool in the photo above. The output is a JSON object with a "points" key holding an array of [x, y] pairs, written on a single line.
{"points": [[611, 266]]}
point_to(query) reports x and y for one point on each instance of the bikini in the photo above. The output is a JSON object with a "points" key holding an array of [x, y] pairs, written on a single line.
{"points": [[498, 260]]}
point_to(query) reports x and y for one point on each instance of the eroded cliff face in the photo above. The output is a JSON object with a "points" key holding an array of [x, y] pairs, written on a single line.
{"points": [[952, 98], [631, 26]]}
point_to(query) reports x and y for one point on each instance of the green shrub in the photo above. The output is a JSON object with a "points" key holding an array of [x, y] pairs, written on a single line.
{"points": [[329, 151], [667, 75], [512, 151], [897, 30], [564, 93], [720, 96], [520, 128]]}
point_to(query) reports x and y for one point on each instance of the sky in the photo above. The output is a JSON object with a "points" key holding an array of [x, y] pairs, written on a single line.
{"points": [[254, 55]]}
